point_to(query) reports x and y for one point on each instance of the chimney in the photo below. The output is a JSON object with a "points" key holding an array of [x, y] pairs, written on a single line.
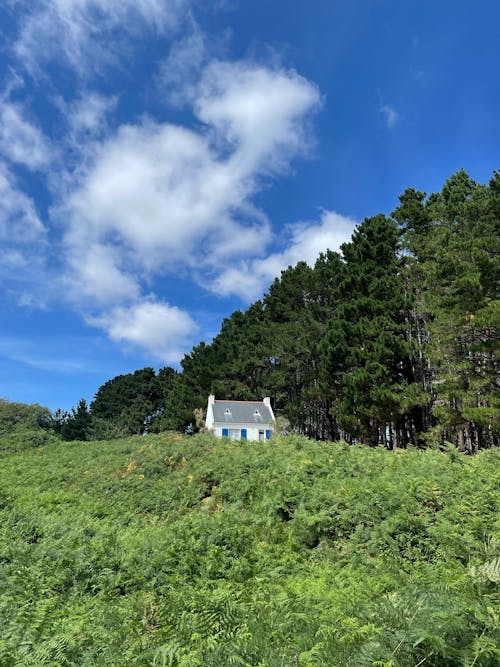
{"points": [[211, 399], [267, 401]]}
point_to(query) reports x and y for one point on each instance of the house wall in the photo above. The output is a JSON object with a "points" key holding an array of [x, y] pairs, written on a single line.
{"points": [[252, 429]]}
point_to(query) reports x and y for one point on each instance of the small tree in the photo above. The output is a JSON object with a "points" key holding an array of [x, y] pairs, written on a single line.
{"points": [[77, 425]]}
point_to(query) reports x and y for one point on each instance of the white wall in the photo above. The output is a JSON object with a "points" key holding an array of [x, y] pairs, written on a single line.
{"points": [[252, 430]]}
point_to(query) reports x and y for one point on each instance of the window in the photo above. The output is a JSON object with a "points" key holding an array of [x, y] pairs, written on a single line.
{"points": [[234, 433], [262, 435]]}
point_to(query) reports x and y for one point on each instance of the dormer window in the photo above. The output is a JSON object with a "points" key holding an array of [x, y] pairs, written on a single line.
{"points": [[227, 411], [256, 413]]}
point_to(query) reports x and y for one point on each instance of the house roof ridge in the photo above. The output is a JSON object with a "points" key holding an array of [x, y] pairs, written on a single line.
{"points": [[228, 400]]}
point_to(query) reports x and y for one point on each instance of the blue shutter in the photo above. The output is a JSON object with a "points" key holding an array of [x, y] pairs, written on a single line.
{"points": [[225, 432], [268, 434], [243, 434]]}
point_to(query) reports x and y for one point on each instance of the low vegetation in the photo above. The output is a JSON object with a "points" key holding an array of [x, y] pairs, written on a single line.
{"points": [[170, 550]]}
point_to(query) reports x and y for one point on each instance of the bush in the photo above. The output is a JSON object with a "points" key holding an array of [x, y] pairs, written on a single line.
{"points": [[21, 415]]}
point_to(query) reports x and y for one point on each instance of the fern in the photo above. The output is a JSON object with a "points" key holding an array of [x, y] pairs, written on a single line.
{"points": [[305, 555], [489, 570]]}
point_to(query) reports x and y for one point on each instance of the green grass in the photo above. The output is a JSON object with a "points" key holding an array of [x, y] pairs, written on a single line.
{"points": [[168, 550]]}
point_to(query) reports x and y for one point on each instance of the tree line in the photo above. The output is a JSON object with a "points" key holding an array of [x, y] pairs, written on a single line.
{"points": [[392, 341]]}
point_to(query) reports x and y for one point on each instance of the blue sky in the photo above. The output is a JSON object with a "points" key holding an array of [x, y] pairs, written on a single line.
{"points": [[161, 161]]}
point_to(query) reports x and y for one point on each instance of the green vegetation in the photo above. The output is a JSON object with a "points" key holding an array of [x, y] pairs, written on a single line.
{"points": [[165, 550], [21, 416], [130, 404], [178, 551], [392, 341]]}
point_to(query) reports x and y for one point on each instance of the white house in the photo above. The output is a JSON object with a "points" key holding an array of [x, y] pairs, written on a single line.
{"points": [[240, 420]]}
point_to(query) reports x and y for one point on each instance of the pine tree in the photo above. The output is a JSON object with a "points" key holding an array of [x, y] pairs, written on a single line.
{"points": [[191, 387], [78, 423], [453, 270], [366, 354]]}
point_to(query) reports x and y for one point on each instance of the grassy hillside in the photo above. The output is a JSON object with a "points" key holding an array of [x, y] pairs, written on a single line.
{"points": [[167, 550]]}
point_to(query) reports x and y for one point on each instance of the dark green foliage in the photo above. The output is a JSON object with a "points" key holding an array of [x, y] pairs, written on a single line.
{"points": [[166, 550], [191, 388], [130, 404], [297, 309], [366, 354], [77, 424], [453, 274], [395, 341], [130, 401]]}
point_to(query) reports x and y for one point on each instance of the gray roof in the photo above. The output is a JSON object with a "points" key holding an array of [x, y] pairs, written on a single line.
{"points": [[242, 412]]}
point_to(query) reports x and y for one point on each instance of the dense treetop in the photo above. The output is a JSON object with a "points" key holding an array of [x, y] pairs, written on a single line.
{"points": [[393, 340]]}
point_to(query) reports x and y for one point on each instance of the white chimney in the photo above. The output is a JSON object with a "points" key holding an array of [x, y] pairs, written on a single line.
{"points": [[209, 420]]}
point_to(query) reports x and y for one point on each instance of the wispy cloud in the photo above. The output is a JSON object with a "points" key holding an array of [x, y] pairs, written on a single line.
{"points": [[21, 141], [27, 353], [87, 114], [391, 116], [19, 219], [23, 245], [179, 73], [86, 34]]}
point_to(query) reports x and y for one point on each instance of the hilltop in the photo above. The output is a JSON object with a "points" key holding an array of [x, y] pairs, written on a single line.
{"points": [[170, 550]]}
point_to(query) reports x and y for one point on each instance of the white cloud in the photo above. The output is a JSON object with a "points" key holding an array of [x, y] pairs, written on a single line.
{"points": [[20, 140], [84, 33], [19, 220], [153, 198], [160, 189], [249, 279], [96, 278], [163, 330], [261, 112], [160, 197], [391, 116], [308, 240]]}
